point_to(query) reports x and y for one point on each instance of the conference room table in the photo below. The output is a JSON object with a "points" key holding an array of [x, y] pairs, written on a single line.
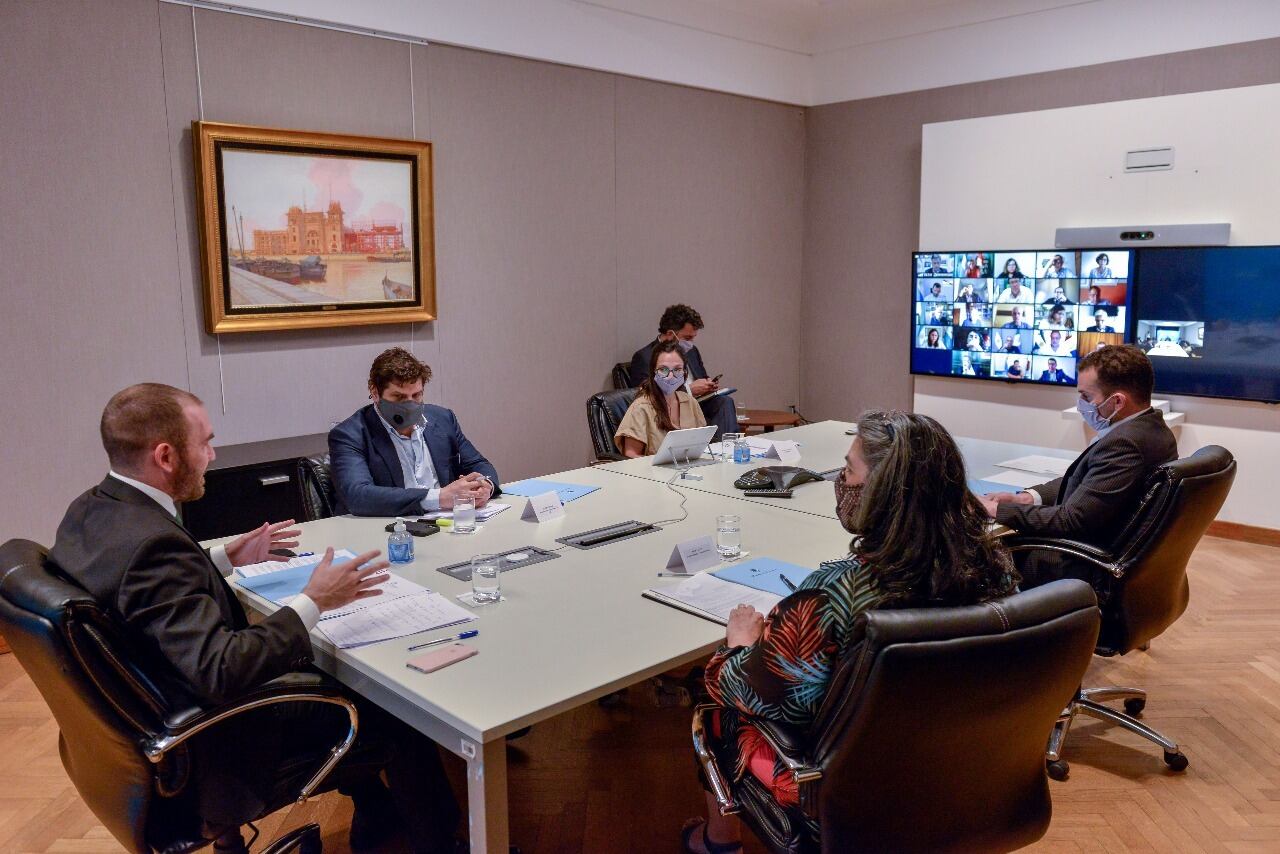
{"points": [[576, 628]]}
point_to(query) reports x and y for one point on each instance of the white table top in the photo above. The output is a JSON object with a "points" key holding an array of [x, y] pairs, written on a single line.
{"points": [[575, 628], [823, 446], [570, 629]]}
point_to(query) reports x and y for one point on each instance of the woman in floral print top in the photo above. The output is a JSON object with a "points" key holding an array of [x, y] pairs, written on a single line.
{"points": [[920, 540]]}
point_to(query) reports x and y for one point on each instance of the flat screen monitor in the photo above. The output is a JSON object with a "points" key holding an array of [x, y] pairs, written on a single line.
{"points": [[1020, 316], [1209, 319]]}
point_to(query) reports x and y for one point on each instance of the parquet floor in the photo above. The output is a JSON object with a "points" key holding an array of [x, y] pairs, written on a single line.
{"points": [[605, 780]]}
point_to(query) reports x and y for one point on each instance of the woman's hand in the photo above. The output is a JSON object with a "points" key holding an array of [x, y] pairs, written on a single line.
{"points": [[746, 625]]}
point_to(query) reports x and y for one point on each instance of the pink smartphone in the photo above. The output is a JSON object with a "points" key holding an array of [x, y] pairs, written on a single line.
{"points": [[451, 653]]}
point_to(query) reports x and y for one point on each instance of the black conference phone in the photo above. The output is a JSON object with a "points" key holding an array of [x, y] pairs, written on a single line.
{"points": [[776, 477]]}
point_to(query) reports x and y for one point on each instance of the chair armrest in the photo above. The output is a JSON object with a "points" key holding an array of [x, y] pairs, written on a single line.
{"points": [[182, 725], [601, 459], [789, 745], [711, 768], [1073, 548]]}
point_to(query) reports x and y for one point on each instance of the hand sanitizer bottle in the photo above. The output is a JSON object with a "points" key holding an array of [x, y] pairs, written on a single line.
{"points": [[400, 544]]}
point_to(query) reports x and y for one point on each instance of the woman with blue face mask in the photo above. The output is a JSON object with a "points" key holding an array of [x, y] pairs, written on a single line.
{"points": [[662, 404]]}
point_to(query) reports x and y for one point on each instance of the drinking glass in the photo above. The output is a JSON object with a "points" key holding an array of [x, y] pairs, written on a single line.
{"points": [[464, 514], [729, 536], [486, 580], [727, 441]]}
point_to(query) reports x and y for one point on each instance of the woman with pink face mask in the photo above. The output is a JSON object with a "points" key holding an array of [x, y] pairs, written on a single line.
{"points": [[920, 539]]}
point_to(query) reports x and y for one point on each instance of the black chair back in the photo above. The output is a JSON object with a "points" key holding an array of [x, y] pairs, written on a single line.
{"points": [[78, 656], [932, 736], [1151, 554], [315, 480], [604, 414], [622, 375]]}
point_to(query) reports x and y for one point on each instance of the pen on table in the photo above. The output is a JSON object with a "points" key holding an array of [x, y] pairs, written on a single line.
{"points": [[461, 636], [787, 581]]}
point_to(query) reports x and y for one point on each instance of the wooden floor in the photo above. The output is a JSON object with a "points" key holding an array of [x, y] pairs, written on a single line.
{"points": [[598, 780]]}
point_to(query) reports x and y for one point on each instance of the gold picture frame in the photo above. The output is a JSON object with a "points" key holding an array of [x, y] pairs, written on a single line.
{"points": [[301, 230]]}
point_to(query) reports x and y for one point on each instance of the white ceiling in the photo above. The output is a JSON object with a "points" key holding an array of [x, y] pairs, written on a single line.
{"points": [[806, 51]]}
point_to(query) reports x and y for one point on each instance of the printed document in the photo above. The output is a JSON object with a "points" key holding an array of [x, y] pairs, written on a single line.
{"points": [[1039, 464], [712, 598], [404, 615]]}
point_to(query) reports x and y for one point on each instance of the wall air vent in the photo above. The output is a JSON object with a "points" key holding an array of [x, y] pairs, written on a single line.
{"points": [[1148, 159]]}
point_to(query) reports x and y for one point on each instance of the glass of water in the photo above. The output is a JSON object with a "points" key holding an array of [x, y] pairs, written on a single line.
{"points": [[729, 536], [464, 515], [486, 580], [727, 441]]}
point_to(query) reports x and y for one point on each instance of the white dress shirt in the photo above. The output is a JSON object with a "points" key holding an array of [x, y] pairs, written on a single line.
{"points": [[415, 463], [306, 609]]}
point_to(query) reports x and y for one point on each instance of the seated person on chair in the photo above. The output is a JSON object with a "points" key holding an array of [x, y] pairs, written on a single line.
{"points": [[661, 405], [911, 548], [680, 323], [124, 543], [399, 456], [1096, 497]]}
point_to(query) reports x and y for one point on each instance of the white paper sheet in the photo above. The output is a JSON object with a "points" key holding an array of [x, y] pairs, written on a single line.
{"points": [[250, 570], [397, 618], [1037, 463], [493, 508], [1020, 479], [716, 597], [393, 588]]}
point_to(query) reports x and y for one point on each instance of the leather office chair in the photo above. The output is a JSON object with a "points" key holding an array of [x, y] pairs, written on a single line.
{"points": [[931, 737], [315, 480], [1142, 584], [622, 375], [126, 751], [604, 414]]}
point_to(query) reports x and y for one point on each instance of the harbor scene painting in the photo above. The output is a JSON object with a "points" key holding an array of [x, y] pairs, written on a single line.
{"points": [[313, 233], [341, 240]]}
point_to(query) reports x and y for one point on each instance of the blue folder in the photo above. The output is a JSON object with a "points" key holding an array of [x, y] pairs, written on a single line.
{"points": [[980, 487], [280, 585], [765, 573], [536, 486]]}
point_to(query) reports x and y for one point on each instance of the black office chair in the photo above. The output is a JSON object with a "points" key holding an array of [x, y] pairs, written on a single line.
{"points": [[1142, 586], [128, 753], [622, 375], [315, 480], [931, 737], [604, 414]]}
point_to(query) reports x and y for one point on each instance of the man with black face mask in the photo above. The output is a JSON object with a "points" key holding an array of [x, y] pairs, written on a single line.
{"points": [[399, 456]]}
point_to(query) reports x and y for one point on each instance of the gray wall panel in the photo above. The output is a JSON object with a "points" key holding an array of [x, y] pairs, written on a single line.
{"points": [[710, 213], [89, 291]]}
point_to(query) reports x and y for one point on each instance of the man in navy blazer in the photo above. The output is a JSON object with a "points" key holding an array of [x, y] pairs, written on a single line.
{"points": [[401, 457]]}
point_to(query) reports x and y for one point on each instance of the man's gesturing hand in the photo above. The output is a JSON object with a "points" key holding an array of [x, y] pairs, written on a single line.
{"points": [[334, 586]]}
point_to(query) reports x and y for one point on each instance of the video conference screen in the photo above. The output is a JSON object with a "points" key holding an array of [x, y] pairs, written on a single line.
{"points": [[1016, 316], [1209, 318]]}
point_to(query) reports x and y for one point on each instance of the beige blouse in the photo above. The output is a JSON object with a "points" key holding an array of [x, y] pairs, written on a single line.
{"points": [[641, 421]]}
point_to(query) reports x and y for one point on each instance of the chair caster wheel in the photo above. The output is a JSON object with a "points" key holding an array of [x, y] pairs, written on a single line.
{"points": [[1058, 769], [1175, 761], [1134, 706]]}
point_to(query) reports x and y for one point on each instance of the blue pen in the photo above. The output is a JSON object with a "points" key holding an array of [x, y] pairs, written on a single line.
{"points": [[787, 581], [306, 554], [462, 636]]}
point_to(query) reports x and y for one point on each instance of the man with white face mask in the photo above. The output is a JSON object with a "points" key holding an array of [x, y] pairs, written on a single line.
{"points": [[681, 324], [1097, 496], [399, 456]]}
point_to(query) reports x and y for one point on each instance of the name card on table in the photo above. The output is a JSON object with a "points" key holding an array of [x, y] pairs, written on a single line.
{"points": [[785, 451], [543, 508], [694, 555]]}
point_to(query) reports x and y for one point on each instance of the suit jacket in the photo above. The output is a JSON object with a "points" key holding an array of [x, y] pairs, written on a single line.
{"points": [[1096, 497], [640, 364], [367, 477], [136, 559]]}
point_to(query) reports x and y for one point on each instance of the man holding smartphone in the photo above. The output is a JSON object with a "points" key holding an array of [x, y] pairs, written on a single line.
{"points": [[681, 323]]}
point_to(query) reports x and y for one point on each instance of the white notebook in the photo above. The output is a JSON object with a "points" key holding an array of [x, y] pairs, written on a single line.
{"points": [[704, 595]]}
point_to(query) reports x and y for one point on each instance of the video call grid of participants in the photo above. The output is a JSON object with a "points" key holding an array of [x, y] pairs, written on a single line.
{"points": [[1019, 310]]}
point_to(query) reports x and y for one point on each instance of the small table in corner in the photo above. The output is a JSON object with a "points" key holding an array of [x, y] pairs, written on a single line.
{"points": [[765, 420]]}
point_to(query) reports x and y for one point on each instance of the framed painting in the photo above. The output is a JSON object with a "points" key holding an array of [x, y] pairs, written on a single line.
{"points": [[303, 230]]}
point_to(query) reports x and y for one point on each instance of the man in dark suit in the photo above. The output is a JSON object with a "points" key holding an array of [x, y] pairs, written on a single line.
{"points": [[399, 456], [1097, 496], [1054, 374], [124, 543], [681, 323]]}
